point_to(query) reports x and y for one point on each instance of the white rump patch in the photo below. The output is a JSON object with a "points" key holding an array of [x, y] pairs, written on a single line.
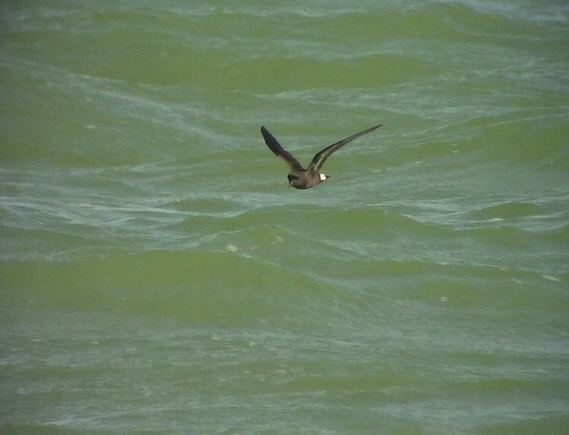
{"points": [[323, 177]]}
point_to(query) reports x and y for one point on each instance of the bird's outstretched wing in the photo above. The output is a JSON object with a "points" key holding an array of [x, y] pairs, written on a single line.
{"points": [[276, 148], [321, 156]]}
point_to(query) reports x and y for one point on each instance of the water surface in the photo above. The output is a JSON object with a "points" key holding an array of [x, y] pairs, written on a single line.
{"points": [[158, 275]]}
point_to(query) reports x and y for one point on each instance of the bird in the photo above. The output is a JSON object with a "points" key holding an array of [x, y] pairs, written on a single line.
{"points": [[301, 178]]}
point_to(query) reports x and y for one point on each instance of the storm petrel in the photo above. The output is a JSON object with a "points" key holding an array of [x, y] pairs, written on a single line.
{"points": [[306, 178]]}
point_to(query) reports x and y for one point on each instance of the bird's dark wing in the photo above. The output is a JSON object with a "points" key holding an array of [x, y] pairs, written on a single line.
{"points": [[321, 157], [276, 148]]}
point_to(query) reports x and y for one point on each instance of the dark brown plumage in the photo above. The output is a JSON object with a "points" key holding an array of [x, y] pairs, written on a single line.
{"points": [[299, 177]]}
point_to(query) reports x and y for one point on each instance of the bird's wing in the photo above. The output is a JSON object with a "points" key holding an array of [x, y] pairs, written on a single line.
{"points": [[276, 148], [321, 157]]}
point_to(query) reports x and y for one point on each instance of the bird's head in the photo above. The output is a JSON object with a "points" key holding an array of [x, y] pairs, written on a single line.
{"points": [[291, 179]]}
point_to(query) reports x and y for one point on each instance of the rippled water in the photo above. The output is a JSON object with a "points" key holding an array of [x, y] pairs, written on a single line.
{"points": [[159, 276]]}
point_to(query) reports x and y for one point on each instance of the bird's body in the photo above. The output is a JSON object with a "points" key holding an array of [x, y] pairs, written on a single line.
{"points": [[299, 177]]}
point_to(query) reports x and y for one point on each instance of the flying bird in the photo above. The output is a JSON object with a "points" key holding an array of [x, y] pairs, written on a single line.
{"points": [[299, 177]]}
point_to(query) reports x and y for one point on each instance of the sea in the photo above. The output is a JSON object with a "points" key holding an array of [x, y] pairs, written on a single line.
{"points": [[158, 275]]}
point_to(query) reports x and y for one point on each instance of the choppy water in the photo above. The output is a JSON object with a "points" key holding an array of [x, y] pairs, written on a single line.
{"points": [[158, 276]]}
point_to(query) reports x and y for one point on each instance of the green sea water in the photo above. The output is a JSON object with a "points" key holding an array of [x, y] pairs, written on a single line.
{"points": [[158, 276]]}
